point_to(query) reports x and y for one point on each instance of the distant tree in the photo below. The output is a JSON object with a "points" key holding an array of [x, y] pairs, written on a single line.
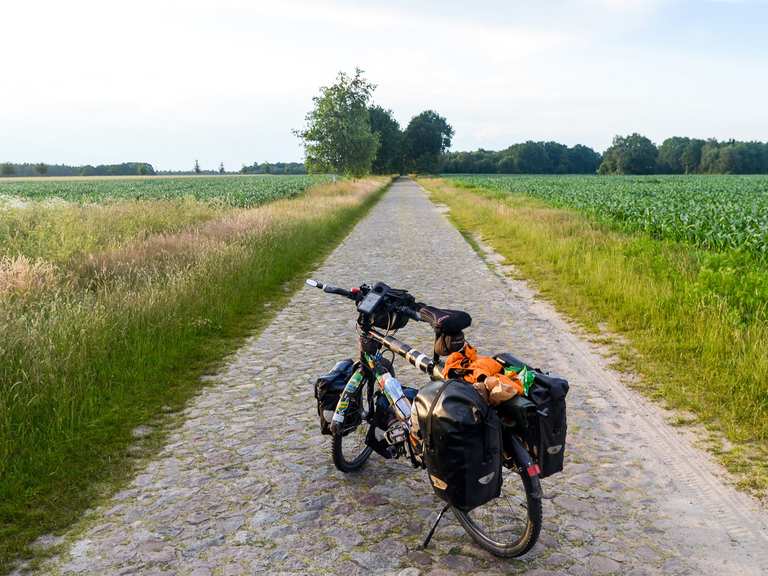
{"points": [[532, 158], [338, 135], [557, 156], [710, 157], [691, 158], [221, 168], [389, 157], [41, 169], [633, 154], [7, 169], [672, 156], [197, 167], [426, 138], [507, 165], [583, 160], [143, 170]]}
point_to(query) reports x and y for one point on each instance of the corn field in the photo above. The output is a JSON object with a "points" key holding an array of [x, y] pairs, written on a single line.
{"points": [[234, 191]]}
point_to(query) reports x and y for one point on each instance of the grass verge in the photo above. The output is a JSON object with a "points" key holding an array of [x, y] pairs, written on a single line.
{"points": [[95, 350], [696, 341]]}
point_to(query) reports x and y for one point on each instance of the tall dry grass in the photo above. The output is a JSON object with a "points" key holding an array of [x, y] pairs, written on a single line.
{"points": [[58, 231]]}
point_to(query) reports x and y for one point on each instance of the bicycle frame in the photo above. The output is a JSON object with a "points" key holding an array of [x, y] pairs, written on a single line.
{"points": [[431, 367]]}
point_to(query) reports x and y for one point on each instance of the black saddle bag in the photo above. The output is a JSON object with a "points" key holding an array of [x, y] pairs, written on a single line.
{"points": [[328, 389], [462, 443]]}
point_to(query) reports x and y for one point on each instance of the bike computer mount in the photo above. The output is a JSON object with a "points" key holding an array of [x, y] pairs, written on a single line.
{"points": [[371, 302]]}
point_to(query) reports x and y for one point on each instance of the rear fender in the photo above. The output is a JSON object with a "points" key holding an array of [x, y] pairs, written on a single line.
{"points": [[525, 463]]}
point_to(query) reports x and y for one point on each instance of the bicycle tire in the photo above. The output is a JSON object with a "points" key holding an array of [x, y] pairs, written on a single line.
{"points": [[342, 461], [530, 534]]}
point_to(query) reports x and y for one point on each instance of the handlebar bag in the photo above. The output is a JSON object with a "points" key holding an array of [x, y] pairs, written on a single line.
{"points": [[328, 389], [461, 437]]}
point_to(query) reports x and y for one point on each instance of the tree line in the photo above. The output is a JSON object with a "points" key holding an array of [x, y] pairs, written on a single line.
{"points": [[632, 154], [525, 158], [347, 134], [275, 168], [42, 169], [636, 154]]}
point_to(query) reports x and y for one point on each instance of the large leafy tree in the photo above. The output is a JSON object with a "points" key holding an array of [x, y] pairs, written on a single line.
{"points": [[427, 136], [338, 136], [633, 154], [671, 154], [389, 157]]}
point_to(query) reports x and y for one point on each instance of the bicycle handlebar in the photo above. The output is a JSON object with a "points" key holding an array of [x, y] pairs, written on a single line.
{"points": [[412, 313]]}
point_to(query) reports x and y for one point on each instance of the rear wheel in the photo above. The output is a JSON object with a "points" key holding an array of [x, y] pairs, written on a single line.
{"points": [[507, 526]]}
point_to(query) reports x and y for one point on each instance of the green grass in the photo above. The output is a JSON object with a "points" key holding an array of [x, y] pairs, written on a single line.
{"points": [[82, 364], [695, 320], [237, 191]]}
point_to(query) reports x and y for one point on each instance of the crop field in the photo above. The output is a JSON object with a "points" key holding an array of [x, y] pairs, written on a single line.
{"points": [[235, 191], [115, 296], [714, 212]]}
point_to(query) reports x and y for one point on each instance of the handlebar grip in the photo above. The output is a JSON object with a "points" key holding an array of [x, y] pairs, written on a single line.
{"points": [[410, 312], [339, 291], [330, 289]]}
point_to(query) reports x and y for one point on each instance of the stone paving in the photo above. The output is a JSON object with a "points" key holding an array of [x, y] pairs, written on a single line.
{"points": [[246, 484]]}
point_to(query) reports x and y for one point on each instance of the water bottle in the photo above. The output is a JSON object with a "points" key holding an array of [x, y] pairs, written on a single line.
{"points": [[349, 392], [394, 393]]}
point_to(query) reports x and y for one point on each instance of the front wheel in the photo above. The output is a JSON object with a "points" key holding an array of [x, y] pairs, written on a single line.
{"points": [[349, 450], [507, 526]]}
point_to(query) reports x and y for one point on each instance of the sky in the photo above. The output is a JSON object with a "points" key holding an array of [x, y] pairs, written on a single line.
{"points": [[169, 82]]}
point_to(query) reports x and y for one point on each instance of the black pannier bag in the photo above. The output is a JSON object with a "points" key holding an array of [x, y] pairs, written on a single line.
{"points": [[546, 420], [546, 433], [328, 389], [461, 436]]}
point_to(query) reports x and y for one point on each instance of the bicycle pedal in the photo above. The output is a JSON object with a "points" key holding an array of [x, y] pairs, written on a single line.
{"points": [[396, 433]]}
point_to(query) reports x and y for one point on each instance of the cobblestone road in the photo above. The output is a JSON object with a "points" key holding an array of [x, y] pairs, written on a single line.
{"points": [[246, 484]]}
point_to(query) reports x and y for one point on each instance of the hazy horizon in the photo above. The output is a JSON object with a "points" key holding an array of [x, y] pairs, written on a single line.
{"points": [[88, 82]]}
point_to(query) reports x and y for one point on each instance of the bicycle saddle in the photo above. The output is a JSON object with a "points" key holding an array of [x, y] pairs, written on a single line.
{"points": [[445, 321]]}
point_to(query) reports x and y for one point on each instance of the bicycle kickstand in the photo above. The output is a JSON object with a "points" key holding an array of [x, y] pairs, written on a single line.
{"points": [[434, 526]]}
